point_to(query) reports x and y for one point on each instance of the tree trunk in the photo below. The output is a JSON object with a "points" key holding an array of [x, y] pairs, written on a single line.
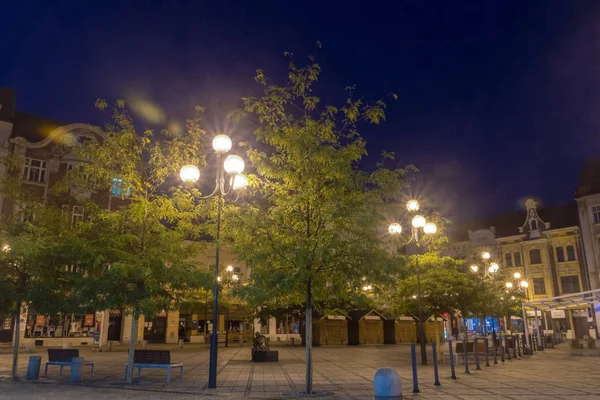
{"points": [[132, 340], [308, 337], [16, 339]]}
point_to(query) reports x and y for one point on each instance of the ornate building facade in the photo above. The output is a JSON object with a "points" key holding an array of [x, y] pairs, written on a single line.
{"points": [[543, 247]]}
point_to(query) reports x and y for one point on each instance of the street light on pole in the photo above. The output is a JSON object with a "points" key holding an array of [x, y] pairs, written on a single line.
{"points": [[421, 233], [487, 272], [228, 170]]}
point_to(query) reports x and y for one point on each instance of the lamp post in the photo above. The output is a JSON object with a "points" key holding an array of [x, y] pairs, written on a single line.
{"points": [[232, 278], [520, 284], [228, 169], [487, 272], [421, 233]]}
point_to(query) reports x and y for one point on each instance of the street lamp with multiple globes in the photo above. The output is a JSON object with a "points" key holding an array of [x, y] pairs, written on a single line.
{"points": [[488, 271], [420, 234], [229, 170]]}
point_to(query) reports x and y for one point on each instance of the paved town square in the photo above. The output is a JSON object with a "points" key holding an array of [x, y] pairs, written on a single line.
{"points": [[347, 372]]}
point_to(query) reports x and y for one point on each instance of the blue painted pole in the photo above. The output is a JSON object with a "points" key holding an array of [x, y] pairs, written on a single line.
{"points": [[435, 364], [413, 355], [486, 343], [453, 373]]}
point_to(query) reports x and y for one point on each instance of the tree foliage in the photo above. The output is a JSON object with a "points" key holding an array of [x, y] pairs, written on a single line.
{"points": [[320, 216]]}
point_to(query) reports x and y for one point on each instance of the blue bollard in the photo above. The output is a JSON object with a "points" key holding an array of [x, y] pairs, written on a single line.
{"points": [[435, 365], [76, 370], [466, 354], [33, 368], [453, 374], [486, 343], [387, 384], [413, 356]]}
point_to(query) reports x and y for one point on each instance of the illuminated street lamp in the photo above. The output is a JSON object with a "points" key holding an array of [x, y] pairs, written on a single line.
{"points": [[228, 170], [487, 272], [420, 234]]}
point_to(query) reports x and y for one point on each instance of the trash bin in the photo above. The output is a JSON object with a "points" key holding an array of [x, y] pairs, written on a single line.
{"points": [[33, 368]]}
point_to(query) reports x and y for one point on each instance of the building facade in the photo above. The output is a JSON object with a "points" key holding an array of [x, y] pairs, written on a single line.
{"points": [[544, 247]]}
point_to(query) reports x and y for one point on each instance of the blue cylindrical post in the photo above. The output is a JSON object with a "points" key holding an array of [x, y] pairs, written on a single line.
{"points": [[435, 365], [413, 355], [515, 345], [486, 343], [33, 368], [476, 353], [76, 370], [453, 374]]}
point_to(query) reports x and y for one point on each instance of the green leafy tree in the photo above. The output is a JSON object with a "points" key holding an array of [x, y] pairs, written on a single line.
{"points": [[149, 266], [315, 235], [33, 266], [445, 287]]}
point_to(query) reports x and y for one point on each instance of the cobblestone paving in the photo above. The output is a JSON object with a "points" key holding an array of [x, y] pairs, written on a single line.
{"points": [[345, 371]]}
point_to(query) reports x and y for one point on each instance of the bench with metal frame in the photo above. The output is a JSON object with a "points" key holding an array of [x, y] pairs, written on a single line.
{"points": [[155, 359], [64, 358]]}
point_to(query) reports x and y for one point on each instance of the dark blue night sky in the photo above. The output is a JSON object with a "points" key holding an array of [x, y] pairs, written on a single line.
{"points": [[498, 100]]}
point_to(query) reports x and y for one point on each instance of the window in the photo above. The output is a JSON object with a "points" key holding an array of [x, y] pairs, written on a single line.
{"points": [[72, 214], [535, 257], [286, 324], [34, 170], [570, 284], [117, 188], [77, 214], [571, 253], [560, 254], [539, 286], [237, 270], [517, 259], [508, 260], [596, 214]]}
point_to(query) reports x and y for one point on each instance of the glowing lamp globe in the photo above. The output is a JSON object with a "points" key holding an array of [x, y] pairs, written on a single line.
{"points": [[494, 267], [509, 285], [239, 182], [219, 279], [512, 297], [221, 143], [524, 284], [189, 173], [229, 268], [474, 268], [235, 277], [234, 164], [485, 255], [430, 228], [412, 205], [395, 229], [418, 221], [517, 275]]}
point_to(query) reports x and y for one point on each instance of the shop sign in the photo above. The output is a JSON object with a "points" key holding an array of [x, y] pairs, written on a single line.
{"points": [[373, 317], [336, 317], [89, 320], [40, 320], [532, 313], [556, 314]]}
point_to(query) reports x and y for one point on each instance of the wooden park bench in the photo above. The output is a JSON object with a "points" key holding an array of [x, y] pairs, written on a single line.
{"points": [[155, 359], [64, 357]]}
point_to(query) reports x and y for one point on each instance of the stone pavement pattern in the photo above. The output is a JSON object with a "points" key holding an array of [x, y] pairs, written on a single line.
{"points": [[346, 371]]}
